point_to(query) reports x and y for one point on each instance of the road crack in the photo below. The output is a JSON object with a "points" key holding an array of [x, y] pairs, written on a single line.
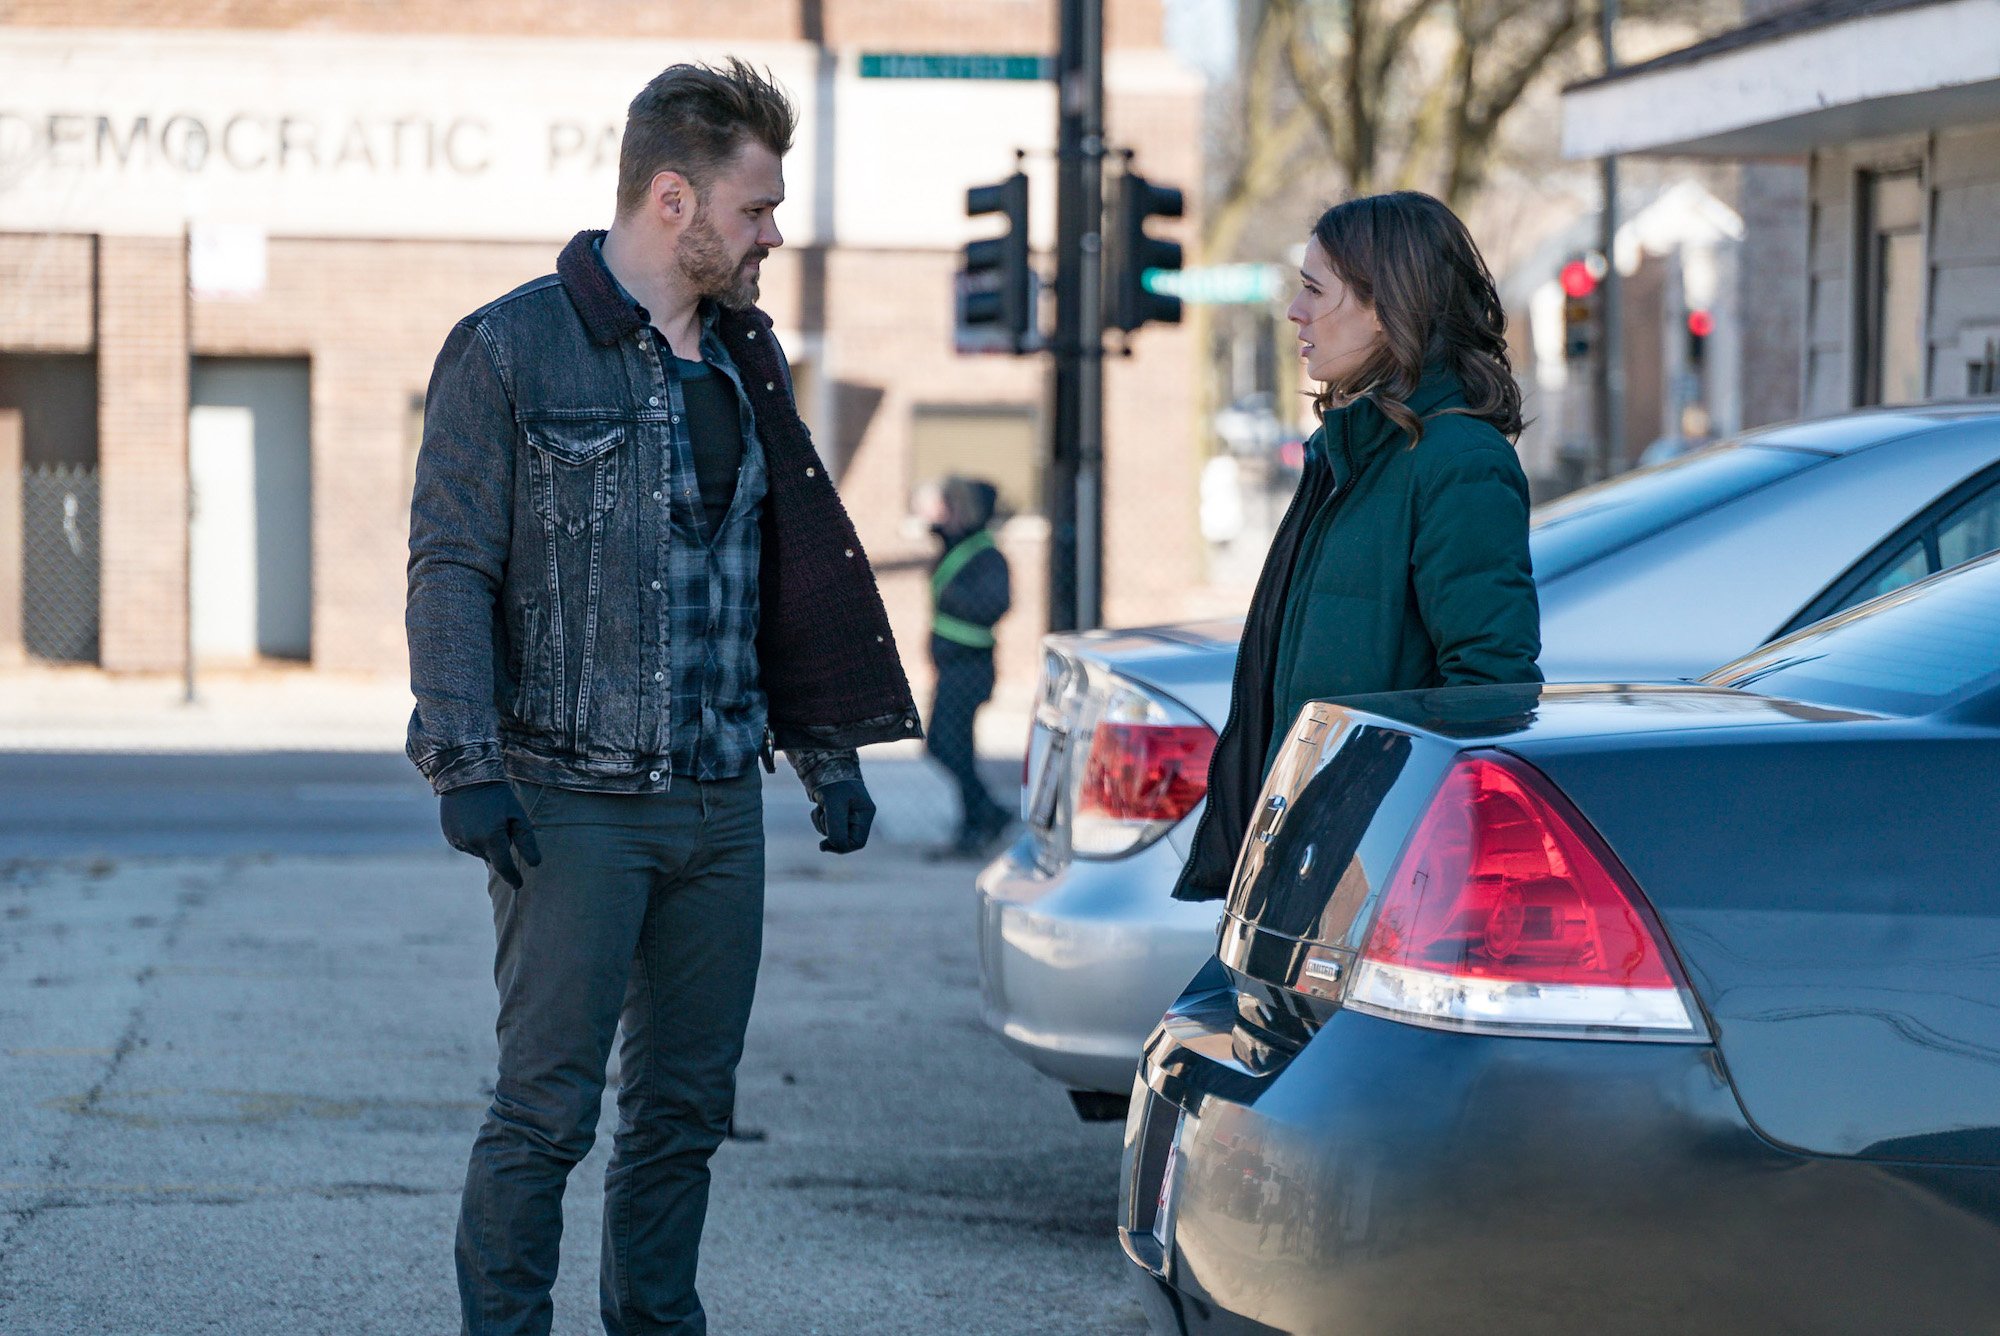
{"points": [[191, 897]]}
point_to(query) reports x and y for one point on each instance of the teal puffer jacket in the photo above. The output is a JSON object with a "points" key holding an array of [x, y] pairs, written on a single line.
{"points": [[1400, 567]]}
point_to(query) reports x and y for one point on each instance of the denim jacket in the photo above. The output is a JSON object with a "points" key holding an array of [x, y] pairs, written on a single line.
{"points": [[539, 628]]}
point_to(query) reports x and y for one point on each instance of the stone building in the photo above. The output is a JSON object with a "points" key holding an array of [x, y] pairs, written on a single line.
{"points": [[234, 234]]}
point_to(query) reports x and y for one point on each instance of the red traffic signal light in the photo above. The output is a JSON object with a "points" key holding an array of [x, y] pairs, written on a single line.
{"points": [[1699, 325], [1577, 280]]}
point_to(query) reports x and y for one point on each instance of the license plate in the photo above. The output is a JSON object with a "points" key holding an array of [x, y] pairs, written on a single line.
{"points": [[1162, 1222]]}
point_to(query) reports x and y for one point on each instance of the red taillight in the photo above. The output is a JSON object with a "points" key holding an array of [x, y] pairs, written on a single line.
{"points": [[1120, 764], [1145, 772], [1507, 911]]}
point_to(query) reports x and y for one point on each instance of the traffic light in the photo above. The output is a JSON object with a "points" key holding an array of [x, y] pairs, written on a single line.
{"points": [[1700, 324], [1579, 321], [995, 283], [1577, 280], [1579, 283], [1138, 261]]}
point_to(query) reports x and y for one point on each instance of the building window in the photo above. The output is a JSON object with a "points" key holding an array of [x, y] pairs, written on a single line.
{"points": [[1893, 272], [995, 442], [1981, 351]]}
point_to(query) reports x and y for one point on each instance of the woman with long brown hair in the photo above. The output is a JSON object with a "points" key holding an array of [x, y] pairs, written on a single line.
{"points": [[1403, 561]]}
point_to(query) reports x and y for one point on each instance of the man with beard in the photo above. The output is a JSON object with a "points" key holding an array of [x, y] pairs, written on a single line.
{"points": [[630, 580]]}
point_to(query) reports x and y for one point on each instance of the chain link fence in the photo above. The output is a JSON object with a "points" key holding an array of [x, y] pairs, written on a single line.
{"points": [[59, 562]]}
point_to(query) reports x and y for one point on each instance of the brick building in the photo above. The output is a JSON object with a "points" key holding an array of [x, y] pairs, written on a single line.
{"points": [[342, 180]]}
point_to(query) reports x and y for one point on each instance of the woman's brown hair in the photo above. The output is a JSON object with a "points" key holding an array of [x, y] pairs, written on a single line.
{"points": [[1411, 259]]}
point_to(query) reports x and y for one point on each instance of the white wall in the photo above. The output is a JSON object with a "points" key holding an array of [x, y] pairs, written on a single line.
{"points": [[326, 135]]}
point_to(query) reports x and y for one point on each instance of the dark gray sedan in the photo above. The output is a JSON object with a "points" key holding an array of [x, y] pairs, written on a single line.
{"points": [[1583, 1009], [1659, 574]]}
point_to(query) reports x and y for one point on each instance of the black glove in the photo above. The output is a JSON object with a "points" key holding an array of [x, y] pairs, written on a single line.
{"points": [[843, 814], [484, 820]]}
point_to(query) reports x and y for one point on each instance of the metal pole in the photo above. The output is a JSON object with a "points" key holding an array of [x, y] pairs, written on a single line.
{"points": [[187, 463], [1074, 486], [1090, 371], [1610, 368]]}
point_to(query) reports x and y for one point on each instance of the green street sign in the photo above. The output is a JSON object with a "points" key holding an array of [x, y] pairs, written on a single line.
{"points": [[1219, 284], [949, 65]]}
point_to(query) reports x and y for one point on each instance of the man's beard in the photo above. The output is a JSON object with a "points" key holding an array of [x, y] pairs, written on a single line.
{"points": [[706, 264]]}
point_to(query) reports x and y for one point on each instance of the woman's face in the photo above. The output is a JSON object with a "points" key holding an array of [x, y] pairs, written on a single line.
{"points": [[1337, 330]]}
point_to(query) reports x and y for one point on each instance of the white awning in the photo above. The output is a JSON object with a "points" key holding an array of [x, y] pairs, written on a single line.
{"points": [[1742, 96]]}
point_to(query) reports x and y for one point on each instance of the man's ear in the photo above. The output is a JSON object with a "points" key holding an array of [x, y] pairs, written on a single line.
{"points": [[673, 198]]}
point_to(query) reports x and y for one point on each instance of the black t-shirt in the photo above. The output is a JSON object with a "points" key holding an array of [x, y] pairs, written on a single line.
{"points": [[715, 428]]}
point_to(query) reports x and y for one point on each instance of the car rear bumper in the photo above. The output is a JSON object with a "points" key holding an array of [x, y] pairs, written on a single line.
{"points": [[1399, 1179], [1077, 966]]}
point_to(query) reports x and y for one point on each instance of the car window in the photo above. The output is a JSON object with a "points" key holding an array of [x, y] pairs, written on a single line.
{"points": [[1910, 652], [1909, 565], [1581, 527], [1970, 531]]}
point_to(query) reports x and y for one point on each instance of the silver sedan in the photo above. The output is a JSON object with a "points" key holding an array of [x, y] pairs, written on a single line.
{"points": [[1659, 574]]}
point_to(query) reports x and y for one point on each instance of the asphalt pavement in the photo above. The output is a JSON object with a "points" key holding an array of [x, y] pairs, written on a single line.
{"points": [[212, 804], [246, 1037]]}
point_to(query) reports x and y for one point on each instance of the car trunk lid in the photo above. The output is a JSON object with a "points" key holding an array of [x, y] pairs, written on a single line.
{"points": [[1354, 781]]}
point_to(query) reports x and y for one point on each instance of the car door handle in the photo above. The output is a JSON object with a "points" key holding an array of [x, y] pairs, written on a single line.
{"points": [[1271, 818]]}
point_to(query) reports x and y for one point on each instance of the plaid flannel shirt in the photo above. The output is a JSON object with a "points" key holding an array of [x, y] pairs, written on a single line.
{"points": [[718, 709]]}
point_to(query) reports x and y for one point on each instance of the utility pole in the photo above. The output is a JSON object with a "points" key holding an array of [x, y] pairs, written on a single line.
{"points": [[1610, 387], [1074, 485], [188, 696]]}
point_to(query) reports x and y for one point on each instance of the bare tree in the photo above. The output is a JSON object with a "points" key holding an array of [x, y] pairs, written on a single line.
{"points": [[1412, 92], [1393, 94], [1267, 130]]}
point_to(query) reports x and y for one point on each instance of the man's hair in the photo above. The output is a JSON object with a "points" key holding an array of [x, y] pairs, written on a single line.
{"points": [[694, 119]]}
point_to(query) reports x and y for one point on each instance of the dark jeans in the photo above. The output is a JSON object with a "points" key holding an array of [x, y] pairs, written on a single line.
{"points": [[647, 908], [964, 683]]}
